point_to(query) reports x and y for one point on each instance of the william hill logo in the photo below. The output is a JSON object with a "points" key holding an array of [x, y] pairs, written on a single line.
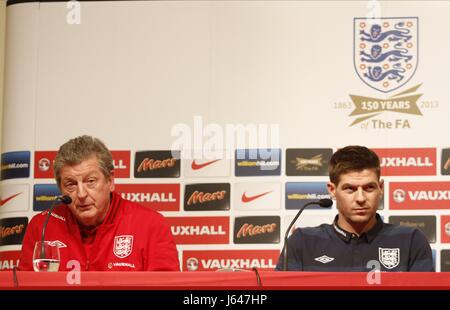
{"points": [[257, 229], [207, 196]]}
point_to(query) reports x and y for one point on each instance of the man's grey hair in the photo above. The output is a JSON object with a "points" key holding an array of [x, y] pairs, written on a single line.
{"points": [[78, 149]]}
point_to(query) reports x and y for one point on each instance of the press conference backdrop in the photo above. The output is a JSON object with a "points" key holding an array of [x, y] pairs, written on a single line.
{"points": [[154, 80]]}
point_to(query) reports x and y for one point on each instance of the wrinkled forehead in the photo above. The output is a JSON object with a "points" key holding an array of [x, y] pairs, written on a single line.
{"points": [[85, 167]]}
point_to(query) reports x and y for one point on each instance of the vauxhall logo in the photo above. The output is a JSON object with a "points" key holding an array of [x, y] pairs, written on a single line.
{"points": [[189, 230], [238, 263], [406, 162], [429, 195], [149, 197]]}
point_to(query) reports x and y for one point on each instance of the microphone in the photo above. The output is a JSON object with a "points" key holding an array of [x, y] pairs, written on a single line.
{"points": [[324, 203], [65, 200]]}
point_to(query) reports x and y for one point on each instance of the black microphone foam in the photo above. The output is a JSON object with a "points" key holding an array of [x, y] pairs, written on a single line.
{"points": [[324, 203], [67, 200]]}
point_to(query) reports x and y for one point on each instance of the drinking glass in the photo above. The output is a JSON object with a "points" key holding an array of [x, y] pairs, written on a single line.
{"points": [[46, 256]]}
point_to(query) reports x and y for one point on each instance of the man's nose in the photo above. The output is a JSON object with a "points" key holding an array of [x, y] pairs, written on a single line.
{"points": [[81, 192], [360, 196]]}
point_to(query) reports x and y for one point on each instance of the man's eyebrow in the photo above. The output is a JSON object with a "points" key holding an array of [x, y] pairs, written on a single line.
{"points": [[357, 185]]}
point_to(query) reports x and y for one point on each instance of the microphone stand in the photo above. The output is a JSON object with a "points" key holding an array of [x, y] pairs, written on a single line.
{"points": [[63, 199], [324, 203]]}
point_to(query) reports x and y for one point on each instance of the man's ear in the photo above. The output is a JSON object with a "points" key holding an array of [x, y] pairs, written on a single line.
{"points": [[382, 187], [331, 189], [112, 186]]}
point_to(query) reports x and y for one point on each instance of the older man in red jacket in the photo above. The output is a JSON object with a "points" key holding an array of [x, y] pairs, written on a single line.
{"points": [[98, 228]]}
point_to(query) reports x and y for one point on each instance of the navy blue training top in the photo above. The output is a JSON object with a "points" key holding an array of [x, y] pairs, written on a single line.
{"points": [[329, 248]]}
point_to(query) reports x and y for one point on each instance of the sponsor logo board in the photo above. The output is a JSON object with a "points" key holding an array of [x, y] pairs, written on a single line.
{"points": [[44, 195], [445, 228], [159, 197], [9, 260], [14, 197], [15, 165], [257, 162], [256, 229], [206, 168], [407, 161], [257, 196], [230, 260], [427, 224], [445, 260], [207, 197], [300, 193], [157, 164], [121, 162], [445, 161], [307, 162], [43, 164], [419, 195], [200, 230], [12, 230]]}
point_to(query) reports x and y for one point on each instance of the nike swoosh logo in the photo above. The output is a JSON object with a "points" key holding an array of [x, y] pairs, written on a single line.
{"points": [[196, 166], [3, 201], [246, 198]]}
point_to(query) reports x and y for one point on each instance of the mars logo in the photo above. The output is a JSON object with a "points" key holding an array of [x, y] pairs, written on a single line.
{"points": [[12, 230], [200, 230], [407, 161], [157, 164], [419, 195], [229, 259], [159, 197], [205, 196], [257, 229]]}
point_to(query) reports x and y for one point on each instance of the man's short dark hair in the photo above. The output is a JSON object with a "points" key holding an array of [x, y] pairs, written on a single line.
{"points": [[352, 158]]}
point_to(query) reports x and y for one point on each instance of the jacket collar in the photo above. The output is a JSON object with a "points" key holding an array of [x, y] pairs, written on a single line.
{"points": [[113, 214]]}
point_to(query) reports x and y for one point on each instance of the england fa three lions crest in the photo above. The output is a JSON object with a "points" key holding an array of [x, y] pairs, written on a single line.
{"points": [[123, 246], [385, 51], [389, 257]]}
